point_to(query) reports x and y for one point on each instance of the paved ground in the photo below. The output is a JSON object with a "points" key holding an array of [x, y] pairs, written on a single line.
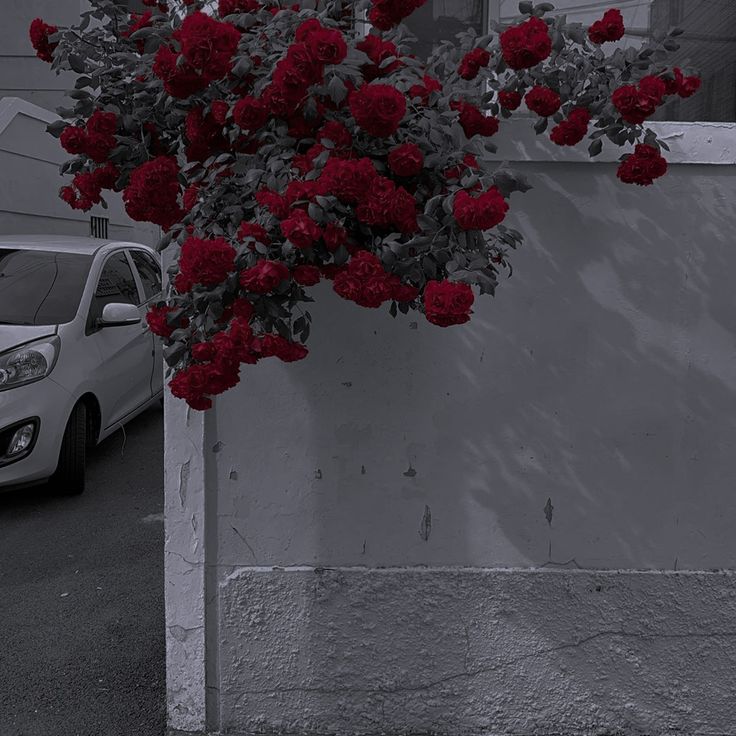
{"points": [[81, 598]]}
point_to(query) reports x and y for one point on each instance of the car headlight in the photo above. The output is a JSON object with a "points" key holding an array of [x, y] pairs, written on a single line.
{"points": [[28, 363]]}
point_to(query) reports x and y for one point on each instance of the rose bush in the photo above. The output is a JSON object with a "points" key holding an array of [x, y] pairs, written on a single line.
{"points": [[278, 146]]}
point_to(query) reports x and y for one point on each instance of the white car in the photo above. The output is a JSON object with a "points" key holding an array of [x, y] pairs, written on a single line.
{"points": [[76, 359]]}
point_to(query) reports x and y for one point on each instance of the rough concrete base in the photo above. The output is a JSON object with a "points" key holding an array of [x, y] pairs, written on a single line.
{"points": [[355, 651]]}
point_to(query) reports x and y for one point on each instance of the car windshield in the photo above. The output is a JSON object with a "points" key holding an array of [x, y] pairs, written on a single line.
{"points": [[40, 287]]}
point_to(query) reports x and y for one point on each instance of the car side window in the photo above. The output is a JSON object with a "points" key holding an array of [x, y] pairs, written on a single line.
{"points": [[149, 271], [116, 285]]}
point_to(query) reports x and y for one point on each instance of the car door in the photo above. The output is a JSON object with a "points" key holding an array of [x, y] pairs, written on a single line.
{"points": [[123, 374], [149, 273]]}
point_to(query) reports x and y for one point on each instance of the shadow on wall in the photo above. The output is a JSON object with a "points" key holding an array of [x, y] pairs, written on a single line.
{"points": [[602, 377]]}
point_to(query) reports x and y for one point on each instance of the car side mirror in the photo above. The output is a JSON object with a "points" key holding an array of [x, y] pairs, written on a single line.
{"points": [[118, 315]]}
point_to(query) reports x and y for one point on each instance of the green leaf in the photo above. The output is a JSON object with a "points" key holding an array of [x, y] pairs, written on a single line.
{"points": [[56, 127], [77, 64], [526, 7], [595, 147]]}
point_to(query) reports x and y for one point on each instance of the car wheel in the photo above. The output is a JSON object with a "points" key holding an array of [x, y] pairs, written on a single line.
{"points": [[69, 476]]}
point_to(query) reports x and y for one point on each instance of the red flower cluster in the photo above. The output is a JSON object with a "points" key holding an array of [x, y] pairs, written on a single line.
{"points": [[365, 282], [636, 104], [406, 160], [525, 45], [378, 109], [300, 229], [571, 131], [39, 33], [208, 44], [681, 85], [479, 213], [608, 28], [473, 121], [542, 100], [348, 180], [230, 7], [472, 63], [377, 51], [153, 192], [87, 186], [95, 140], [643, 166], [325, 45], [386, 14], [204, 132], [253, 230], [250, 113], [509, 99], [264, 277], [447, 303], [157, 318], [137, 22], [387, 206], [306, 275], [424, 91], [180, 80], [206, 262]]}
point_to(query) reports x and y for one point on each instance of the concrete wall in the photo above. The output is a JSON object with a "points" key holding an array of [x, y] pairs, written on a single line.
{"points": [[426, 530], [21, 73], [30, 182]]}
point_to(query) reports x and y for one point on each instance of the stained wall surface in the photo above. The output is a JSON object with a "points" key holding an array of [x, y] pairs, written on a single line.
{"points": [[518, 526]]}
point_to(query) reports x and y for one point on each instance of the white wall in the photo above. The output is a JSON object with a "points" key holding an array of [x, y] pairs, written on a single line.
{"points": [[602, 377]]}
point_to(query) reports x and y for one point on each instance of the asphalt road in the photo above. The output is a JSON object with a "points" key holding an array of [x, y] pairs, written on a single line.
{"points": [[81, 597]]}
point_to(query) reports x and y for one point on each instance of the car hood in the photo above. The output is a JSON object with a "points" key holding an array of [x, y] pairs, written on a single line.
{"points": [[13, 335]]}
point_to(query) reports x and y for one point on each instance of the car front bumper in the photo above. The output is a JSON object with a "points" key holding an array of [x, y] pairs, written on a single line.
{"points": [[52, 405]]}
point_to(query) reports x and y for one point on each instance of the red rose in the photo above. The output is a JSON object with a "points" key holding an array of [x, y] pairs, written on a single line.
{"points": [[384, 14], [190, 197], [219, 110], [688, 86], [378, 109], [473, 121], [571, 131], [403, 292], [479, 213], [204, 135], [306, 275], [250, 113], [190, 384], [542, 100], [377, 50], [634, 105], [242, 309], [526, 45], [158, 323], [346, 285], [230, 7], [206, 262], [337, 133], [334, 236], [208, 44], [180, 80], [406, 159], [153, 191], [609, 28], [301, 229], [39, 33], [73, 139], [203, 351], [509, 99], [472, 63], [253, 230], [265, 276], [327, 46], [300, 68], [447, 302], [348, 180], [643, 166], [404, 212], [273, 202], [652, 88], [424, 91], [137, 22]]}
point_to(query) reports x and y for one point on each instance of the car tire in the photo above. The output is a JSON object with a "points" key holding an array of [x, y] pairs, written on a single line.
{"points": [[69, 477]]}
